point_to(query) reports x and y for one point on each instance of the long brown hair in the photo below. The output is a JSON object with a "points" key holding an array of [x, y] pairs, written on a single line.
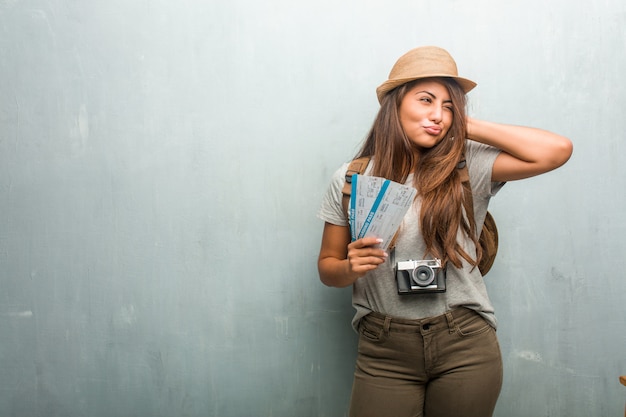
{"points": [[436, 176]]}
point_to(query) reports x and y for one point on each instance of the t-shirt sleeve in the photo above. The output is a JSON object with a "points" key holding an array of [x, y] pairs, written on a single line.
{"points": [[480, 159], [331, 210]]}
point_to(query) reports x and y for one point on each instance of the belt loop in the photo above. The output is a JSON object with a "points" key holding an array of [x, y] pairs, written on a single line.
{"points": [[451, 323], [387, 325]]}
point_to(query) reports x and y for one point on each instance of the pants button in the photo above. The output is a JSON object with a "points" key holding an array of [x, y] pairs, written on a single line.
{"points": [[426, 326]]}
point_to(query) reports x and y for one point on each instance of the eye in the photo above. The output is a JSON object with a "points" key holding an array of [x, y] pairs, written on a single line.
{"points": [[426, 99]]}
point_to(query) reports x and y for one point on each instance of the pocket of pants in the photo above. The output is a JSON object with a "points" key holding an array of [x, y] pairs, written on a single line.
{"points": [[473, 326], [371, 332]]}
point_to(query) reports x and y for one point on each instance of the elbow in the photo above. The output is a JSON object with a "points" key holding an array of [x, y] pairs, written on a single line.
{"points": [[327, 282], [325, 278], [332, 277], [563, 151], [330, 281], [554, 157]]}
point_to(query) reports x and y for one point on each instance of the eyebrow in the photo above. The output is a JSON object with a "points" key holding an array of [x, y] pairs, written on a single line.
{"points": [[432, 95]]}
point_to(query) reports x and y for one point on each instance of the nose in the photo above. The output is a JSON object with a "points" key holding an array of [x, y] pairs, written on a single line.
{"points": [[436, 113]]}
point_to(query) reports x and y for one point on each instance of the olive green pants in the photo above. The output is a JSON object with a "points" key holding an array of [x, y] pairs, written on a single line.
{"points": [[444, 366]]}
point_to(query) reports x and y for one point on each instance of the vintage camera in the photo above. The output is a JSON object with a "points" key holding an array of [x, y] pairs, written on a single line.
{"points": [[420, 277]]}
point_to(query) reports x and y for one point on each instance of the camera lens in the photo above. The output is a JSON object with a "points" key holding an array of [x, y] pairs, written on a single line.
{"points": [[423, 275]]}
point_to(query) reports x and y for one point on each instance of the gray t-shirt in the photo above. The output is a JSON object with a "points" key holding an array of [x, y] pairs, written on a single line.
{"points": [[377, 290]]}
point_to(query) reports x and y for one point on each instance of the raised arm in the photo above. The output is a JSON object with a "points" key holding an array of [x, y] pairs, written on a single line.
{"points": [[526, 152]]}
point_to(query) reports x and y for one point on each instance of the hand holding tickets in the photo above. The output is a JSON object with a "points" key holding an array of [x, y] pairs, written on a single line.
{"points": [[377, 207]]}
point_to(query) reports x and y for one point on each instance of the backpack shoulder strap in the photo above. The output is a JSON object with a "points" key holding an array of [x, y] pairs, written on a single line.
{"points": [[357, 166], [462, 167]]}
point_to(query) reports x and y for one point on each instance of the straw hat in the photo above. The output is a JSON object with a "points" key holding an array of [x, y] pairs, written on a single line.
{"points": [[422, 62]]}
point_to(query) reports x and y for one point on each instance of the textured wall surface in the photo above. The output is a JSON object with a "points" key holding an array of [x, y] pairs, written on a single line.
{"points": [[162, 164]]}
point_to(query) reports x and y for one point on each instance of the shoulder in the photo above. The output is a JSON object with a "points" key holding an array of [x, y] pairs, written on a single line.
{"points": [[331, 209], [480, 156], [478, 152], [480, 159], [339, 176]]}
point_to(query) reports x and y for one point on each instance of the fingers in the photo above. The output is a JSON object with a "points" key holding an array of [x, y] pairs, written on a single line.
{"points": [[365, 242], [364, 255]]}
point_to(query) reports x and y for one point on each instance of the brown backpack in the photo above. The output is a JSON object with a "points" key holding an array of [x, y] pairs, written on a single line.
{"points": [[488, 240]]}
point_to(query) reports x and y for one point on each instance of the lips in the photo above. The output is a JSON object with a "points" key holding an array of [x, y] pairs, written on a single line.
{"points": [[432, 130]]}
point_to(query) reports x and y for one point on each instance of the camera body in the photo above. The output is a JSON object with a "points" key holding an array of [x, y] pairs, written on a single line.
{"points": [[420, 277]]}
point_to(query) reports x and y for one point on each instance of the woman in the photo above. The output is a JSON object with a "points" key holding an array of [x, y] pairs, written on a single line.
{"points": [[432, 354]]}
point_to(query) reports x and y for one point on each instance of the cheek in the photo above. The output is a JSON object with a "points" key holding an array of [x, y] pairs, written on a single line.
{"points": [[447, 122], [410, 119], [405, 122]]}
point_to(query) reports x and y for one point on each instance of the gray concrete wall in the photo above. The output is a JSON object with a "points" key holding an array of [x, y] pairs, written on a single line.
{"points": [[162, 164]]}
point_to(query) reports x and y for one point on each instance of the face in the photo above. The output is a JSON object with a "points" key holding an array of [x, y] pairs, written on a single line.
{"points": [[426, 113]]}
